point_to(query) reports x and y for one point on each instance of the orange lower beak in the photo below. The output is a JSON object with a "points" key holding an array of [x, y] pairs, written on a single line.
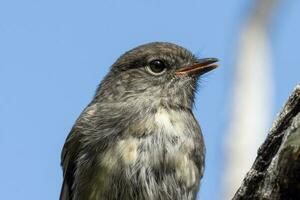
{"points": [[201, 67]]}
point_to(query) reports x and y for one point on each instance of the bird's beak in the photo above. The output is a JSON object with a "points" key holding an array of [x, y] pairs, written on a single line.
{"points": [[201, 67]]}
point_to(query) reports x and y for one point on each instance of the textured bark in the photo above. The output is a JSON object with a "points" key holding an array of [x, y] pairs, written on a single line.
{"points": [[275, 173]]}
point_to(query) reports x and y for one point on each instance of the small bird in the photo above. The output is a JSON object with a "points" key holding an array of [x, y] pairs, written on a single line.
{"points": [[138, 138]]}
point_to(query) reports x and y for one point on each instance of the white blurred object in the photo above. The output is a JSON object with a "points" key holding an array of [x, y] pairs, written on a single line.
{"points": [[252, 97]]}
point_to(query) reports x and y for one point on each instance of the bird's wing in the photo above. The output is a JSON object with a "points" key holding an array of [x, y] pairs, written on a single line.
{"points": [[199, 152], [68, 158], [71, 150]]}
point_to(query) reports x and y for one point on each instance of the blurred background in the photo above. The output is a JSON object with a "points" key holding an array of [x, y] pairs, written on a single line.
{"points": [[53, 54]]}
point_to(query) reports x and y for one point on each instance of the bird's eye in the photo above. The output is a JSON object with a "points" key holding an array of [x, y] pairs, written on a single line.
{"points": [[156, 67]]}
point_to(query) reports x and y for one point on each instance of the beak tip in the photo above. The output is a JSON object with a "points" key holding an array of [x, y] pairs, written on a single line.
{"points": [[203, 66], [213, 60]]}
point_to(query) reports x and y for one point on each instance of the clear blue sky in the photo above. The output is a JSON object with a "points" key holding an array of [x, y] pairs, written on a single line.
{"points": [[54, 53]]}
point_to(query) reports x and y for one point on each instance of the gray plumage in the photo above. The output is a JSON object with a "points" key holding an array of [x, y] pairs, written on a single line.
{"points": [[138, 138]]}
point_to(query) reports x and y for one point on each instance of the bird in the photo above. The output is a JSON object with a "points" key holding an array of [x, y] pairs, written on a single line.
{"points": [[138, 138]]}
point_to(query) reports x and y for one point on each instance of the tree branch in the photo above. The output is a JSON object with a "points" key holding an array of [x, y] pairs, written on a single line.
{"points": [[275, 173]]}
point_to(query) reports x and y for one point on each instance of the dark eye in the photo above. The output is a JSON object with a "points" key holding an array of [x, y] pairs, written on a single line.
{"points": [[156, 67]]}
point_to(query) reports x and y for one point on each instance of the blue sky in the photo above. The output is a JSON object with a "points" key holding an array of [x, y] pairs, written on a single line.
{"points": [[53, 54]]}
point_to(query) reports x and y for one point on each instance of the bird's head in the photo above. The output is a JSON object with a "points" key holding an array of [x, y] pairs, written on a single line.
{"points": [[155, 73]]}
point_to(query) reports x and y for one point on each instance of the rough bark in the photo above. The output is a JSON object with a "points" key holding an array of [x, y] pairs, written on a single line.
{"points": [[275, 173]]}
